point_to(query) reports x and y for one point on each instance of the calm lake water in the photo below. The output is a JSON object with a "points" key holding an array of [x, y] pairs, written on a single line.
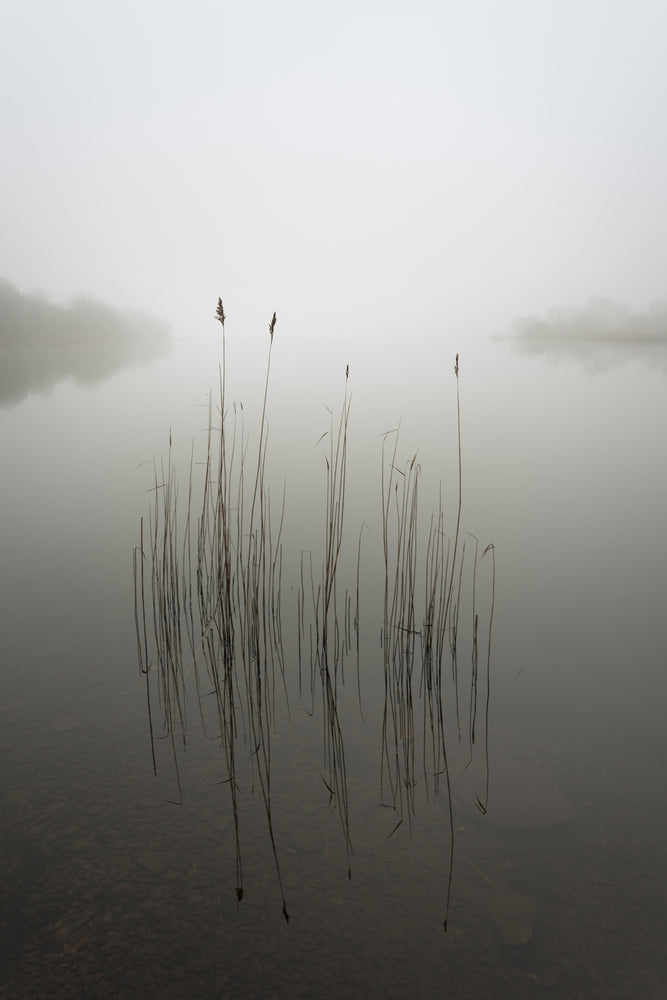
{"points": [[110, 889]]}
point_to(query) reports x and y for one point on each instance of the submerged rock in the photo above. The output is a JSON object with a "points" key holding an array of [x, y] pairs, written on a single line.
{"points": [[513, 913], [155, 863], [519, 794]]}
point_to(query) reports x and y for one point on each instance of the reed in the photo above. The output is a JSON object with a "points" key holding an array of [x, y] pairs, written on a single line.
{"points": [[429, 638], [214, 585], [336, 472], [221, 591], [329, 634]]}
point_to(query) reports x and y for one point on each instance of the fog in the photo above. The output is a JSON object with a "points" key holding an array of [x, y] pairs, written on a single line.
{"points": [[42, 343], [601, 334], [399, 185], [404, 185], [371, 171]]}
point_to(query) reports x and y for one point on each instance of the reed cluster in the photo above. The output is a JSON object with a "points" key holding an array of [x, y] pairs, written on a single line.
{"points": [[209, 608], [221, 587], [332, 632], [425, 639]]}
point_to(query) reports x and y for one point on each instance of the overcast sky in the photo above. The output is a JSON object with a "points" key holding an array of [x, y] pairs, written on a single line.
{"points": [[366, 169]]}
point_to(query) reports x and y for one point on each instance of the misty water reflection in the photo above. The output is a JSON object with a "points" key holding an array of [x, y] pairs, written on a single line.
{"points": [[105, 884], [42, 344], [601, 336]]}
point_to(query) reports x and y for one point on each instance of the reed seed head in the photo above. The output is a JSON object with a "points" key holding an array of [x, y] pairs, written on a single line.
{"points": [[220, 313], [272, 326]]}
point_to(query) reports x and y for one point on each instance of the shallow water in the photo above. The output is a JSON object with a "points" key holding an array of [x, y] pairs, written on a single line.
{"points": [[110, 890]]}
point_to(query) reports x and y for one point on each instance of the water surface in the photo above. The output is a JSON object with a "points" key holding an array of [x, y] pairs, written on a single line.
{"points": [[110, 890]]}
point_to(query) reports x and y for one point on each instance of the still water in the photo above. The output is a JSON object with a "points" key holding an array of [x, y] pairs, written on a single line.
{"points": [[115, 883]]}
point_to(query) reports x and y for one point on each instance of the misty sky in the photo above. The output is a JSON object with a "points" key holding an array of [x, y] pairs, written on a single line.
{"points": [[370, 170]]}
